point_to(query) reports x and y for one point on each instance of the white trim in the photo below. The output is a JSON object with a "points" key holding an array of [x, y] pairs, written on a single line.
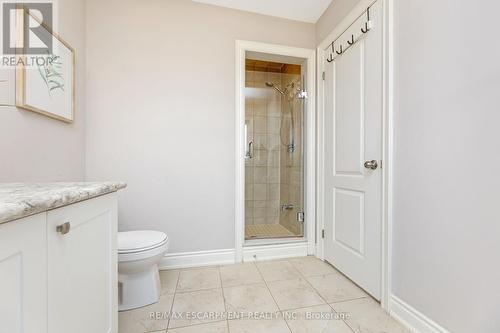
{"points": [[310, 153], [239, 195], [411, 318], [227, 256], [387, 153], [274, 251], [387, 156], [197, 259], [320, 56]]}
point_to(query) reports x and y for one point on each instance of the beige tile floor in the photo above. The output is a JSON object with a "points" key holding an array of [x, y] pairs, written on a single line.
{"points": [[288, 292]]}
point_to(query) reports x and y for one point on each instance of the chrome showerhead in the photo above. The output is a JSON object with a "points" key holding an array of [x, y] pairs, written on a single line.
{"points": [[272, 85]]}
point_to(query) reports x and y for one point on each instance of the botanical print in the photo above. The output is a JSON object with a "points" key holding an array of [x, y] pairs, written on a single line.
{"points": [[46, 86], [51, 73]]}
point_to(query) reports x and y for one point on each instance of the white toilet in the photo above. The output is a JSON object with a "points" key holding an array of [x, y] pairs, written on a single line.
{"points": [[139, 253]]}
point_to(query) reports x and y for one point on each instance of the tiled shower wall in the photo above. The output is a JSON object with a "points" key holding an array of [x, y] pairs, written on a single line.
{"points": [[262, 172]]}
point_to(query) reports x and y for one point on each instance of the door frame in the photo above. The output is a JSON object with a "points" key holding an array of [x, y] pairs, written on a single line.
{"points": [[387, 136], [309, 55]]}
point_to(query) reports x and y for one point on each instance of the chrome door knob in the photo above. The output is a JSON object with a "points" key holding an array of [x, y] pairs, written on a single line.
{"points": [[371, 164]]}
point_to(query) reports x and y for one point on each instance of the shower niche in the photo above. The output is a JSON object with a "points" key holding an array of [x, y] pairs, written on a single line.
{"points": [[274, 159]]}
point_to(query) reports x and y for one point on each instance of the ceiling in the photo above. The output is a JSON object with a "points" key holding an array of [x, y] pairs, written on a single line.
{"points": [[299, 10]]}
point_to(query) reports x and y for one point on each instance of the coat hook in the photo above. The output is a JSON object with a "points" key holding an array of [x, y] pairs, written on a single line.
{"points": [[340, 50], [366, 29], [350, 42], [331, 54]]}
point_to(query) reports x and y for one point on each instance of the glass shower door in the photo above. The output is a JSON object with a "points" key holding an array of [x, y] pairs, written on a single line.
{"points": [[274, 126], [292, 157]]}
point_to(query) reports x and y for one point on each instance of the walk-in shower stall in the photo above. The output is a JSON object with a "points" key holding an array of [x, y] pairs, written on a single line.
{"points": [[275, 98]]}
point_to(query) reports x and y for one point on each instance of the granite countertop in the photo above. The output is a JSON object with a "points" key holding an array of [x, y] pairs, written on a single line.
{"points": [[18, 200]]}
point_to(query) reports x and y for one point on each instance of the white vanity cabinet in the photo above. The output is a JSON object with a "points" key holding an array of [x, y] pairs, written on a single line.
{"points": [[23, 275], [58, 270]]}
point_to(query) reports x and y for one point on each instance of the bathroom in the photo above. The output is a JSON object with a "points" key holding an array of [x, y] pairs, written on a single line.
{"points": [[204, 162]]}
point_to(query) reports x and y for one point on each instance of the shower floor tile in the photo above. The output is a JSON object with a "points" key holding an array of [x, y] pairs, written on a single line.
{"points": [[267, 231]]}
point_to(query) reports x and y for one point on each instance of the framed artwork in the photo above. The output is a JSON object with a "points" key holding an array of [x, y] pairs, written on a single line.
{"points": [[47, 86]]}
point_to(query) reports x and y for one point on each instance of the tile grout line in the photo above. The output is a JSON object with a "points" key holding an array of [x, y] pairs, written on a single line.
{"points": [[185, 292], [194, 325], [305, 279], [223, 297], [272, 296], [203, 288], [336, 272], [245, 284], [328, 304], [173, 300], [347, 300], [197, 290]]}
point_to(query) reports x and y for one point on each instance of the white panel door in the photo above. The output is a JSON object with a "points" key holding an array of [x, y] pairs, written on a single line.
{"points": [[82, 267], [353, 135], [23, 275]]}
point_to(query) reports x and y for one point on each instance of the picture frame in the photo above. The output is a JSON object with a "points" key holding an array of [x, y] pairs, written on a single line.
{"points": [[47, 89]]}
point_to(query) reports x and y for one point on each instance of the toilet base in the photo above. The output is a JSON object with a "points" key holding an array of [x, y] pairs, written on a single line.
{"points": [[139, 289]]}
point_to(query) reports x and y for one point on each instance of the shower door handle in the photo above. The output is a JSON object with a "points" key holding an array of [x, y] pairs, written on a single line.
{"points": [[248, 153]]}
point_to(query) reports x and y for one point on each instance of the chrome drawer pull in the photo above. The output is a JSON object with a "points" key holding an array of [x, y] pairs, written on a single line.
{"points": [[64, 228]]}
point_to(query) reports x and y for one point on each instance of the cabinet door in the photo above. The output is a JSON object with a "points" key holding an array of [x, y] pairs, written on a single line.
{"points": [[23, 275], [82, 267]]}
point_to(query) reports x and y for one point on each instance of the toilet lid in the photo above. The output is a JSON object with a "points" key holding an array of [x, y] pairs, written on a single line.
{"points": [[140, 240]]}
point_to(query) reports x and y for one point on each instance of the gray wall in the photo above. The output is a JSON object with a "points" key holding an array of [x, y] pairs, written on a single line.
{"points": [[35, 148], [333, 15], [446, 201], [161, 111]]}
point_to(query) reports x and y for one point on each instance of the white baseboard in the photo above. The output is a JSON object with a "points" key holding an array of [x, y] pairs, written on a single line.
{"points": [[411, 318], [274, 251], [227, 256], [197, 259]]}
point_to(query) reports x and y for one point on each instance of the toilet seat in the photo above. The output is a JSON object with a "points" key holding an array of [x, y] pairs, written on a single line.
{"points": [[143, 255], [130, 242]]}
